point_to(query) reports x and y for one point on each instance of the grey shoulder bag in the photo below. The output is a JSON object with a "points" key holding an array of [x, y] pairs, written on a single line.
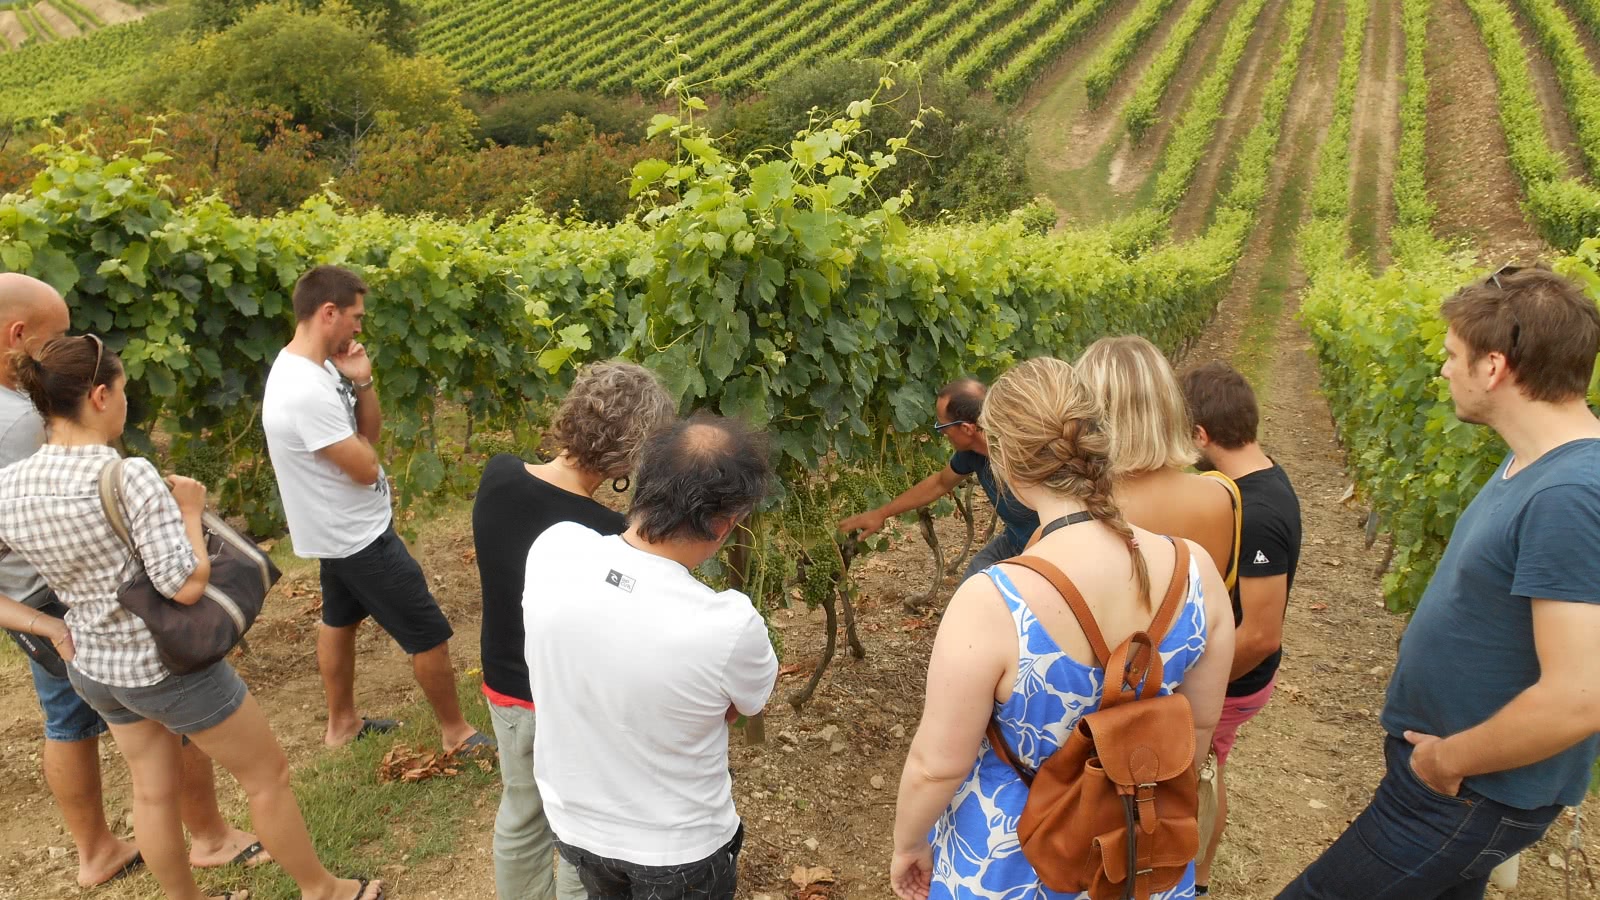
{"points": [[192, 637]]}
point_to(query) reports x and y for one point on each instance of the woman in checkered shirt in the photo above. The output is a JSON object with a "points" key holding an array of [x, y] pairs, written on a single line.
{"points": [[50, 513]]}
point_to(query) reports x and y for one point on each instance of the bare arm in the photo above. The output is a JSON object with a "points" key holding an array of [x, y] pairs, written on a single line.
{"points": [[26, 619], [1261, 633], [1207, 680], [191, 497], [917, 496], [355, 457], [355, 365], [1559, 710], [967, 664]]}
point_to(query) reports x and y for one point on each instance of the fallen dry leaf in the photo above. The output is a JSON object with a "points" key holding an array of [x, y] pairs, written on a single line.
{"points": [[1319, 606], [414, 764], [796, 668], [805, 876]]}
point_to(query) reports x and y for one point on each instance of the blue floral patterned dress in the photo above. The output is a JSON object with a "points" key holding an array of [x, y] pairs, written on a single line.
{"points": [[975, 849]]}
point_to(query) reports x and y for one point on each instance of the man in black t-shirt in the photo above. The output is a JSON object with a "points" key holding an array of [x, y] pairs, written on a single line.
{"points": [[1223, 409], [956, 412]]}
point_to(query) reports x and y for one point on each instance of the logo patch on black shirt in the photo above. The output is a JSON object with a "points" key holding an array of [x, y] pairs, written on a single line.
{"points": [[619, 580]]}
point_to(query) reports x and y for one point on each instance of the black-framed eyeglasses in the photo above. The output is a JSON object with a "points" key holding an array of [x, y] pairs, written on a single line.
{"points": [[1516, 324], [942, 426], [99, 354]]}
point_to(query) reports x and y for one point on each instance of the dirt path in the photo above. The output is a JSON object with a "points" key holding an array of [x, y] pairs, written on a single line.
{"points": [[57, 20], [1239, 114], [1469, 177], [1376, 132], [1558, 128], [11, 28], [114, 12], [1071, 145], [1132, 168], [1310, 108]]}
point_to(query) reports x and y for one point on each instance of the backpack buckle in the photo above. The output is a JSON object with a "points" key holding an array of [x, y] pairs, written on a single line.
{"points": [[1144, 798]]}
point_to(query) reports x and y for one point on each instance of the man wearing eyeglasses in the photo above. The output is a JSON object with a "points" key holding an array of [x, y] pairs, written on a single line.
{"points": [[1493, 711], [956, 410]]}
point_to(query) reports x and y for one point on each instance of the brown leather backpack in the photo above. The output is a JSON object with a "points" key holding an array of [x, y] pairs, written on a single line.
{"points": [[1113, 811]]}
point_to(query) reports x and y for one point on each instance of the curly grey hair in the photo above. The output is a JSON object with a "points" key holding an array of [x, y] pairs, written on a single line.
{"points": [[604, 420]]}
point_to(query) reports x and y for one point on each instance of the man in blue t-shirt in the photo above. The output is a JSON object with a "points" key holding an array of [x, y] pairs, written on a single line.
{"points": [[1492, 712], [956, 410]]}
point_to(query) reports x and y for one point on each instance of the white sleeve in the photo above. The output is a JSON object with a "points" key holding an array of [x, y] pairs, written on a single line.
{"points": [[752, 668], [322, 419]]}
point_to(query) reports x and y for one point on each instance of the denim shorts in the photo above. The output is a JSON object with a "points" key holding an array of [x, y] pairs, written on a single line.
{"points": [[67, 718], [185, 704]]}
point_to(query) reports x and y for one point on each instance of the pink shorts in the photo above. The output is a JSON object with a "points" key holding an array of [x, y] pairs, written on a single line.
{"points": [[1235, 712]]}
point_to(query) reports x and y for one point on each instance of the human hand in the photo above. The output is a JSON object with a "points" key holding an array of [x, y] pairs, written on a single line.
{"points": [[1428, 765], [911, 874], [869, 522], [353, 363], [60, 638], [190, 494]]}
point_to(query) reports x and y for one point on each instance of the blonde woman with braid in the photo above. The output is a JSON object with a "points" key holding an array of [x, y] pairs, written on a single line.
{"points": [[1010, 648]]}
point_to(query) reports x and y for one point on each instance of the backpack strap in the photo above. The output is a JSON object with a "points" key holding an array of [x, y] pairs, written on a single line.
{"points": [[1069, 592], [1230, 573], [1135, 670]]}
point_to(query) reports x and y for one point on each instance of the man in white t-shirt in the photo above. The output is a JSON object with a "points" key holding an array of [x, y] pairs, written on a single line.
{"points": [[323, 424], [637, 668]]}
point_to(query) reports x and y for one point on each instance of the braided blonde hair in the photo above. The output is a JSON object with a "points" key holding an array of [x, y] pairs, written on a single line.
{"points": [[1044, 430]]}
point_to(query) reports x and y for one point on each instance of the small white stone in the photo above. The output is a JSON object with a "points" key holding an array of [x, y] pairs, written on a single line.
{"points": [[1557, 861], [877, 782], [58, 852], [1318, 804], [838, 747], [812, 845]]}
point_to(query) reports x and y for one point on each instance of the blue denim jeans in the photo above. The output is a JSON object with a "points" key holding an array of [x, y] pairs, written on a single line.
{"points": [[1413, 843], [67, 718]]}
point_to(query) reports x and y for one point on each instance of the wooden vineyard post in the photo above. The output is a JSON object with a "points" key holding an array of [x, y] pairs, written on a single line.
{"points": [[963, 498], [740, 555]]}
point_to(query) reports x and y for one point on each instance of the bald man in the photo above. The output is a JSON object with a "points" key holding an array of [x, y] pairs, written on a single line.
{"points": [[31, 313]]}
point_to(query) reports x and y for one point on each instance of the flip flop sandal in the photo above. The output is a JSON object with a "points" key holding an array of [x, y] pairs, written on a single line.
{"points": [[478, 741], [243, 857], [361, 892], [376, 726]]}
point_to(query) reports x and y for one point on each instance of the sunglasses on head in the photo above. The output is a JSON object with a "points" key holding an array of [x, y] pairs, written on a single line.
{"points": [[941, 427], [99, 354], [1516, 324]]}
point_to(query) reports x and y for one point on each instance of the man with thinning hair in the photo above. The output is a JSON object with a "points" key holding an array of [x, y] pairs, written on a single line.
{"points": [[32, 312], [323, 426], [956, 409], [1493, 711], [636, 669]]}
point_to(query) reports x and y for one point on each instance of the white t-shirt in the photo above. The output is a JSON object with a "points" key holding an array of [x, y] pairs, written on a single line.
{"points": [[633, 664], [21, 433], [308, 407]]}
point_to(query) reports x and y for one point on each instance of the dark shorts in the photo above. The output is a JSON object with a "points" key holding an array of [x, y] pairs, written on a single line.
{"points": [[712, 878], [186, 704], [381, 580], [67, 718]]}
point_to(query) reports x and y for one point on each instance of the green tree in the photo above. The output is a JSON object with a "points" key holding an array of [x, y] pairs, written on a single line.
{"points": [[326, 69], [391, 20]]}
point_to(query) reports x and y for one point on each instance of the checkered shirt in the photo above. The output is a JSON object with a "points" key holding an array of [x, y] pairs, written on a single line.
{"points": [[50, 513]]}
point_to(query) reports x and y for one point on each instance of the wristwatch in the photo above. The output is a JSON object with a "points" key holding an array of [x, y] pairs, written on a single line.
{"points": [[363, 385]]}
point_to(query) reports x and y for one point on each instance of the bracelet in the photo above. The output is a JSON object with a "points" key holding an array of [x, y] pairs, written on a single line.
{"points": [[33, 621]]}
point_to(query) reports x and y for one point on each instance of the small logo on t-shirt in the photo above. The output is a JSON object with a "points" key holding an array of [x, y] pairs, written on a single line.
{"points": [[617, 579], [1261, 558]]}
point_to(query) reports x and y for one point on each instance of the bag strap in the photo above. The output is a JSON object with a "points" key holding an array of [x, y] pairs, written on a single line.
{"points": [[1136, 670], [1069, 592], [1230, 575], [111, 504], [1003, 750]]}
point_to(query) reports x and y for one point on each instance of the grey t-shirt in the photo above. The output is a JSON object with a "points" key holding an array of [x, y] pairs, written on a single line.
{"points": [[1469, 649], [21, 434]]}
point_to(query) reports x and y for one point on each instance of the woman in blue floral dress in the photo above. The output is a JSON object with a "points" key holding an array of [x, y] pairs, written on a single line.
{"points": [[1009, 646]]}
